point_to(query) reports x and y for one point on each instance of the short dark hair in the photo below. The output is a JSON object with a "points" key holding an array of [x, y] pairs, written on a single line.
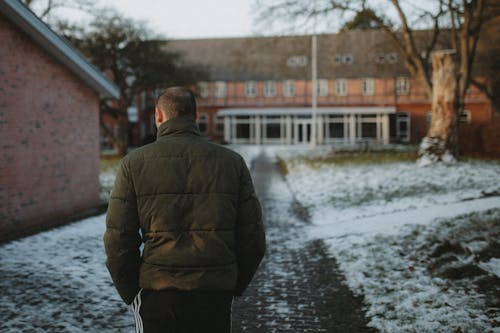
{"points": [[177, 102]]}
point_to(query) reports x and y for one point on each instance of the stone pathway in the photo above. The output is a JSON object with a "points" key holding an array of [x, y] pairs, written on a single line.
{"points": [[298, 287], [56, 281]]}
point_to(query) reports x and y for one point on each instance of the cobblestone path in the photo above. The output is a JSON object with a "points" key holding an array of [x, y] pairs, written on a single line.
{"points": [[298, 287]]}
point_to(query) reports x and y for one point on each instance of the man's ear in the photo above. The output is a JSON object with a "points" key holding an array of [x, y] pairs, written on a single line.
{"points": [[159, 117]]}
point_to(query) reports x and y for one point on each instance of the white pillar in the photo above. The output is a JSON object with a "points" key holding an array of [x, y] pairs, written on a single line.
{"points": [[352, 128], [227, 129], [321, 134], [378, 123], [385, 129], [288, 130], [257, 130]]}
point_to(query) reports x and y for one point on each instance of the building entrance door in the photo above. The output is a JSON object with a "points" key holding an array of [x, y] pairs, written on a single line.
{"points": [[302, 131]]}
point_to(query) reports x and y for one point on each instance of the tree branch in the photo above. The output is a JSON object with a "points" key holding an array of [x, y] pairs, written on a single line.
{"points": [[414, 61], [483, 87]]}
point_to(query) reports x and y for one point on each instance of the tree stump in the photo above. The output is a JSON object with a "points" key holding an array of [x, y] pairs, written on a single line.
{"points": [[441, 141]]}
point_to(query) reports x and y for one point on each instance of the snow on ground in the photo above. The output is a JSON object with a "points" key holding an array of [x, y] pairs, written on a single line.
{"points": [[64, 282], [421, 244]]}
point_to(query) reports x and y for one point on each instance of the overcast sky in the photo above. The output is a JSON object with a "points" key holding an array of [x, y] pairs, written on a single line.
{"points": [[191, 18], [188, 18]]}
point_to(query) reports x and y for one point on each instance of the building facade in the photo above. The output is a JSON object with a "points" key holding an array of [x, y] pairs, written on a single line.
{"points": [[49, 125], [260, 91]]}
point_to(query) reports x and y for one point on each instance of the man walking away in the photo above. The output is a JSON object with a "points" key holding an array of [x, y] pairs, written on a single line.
{"points": [[194, 205]]}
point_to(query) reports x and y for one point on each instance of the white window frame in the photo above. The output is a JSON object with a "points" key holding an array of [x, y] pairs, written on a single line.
{"points": [[403, 117], [322, 87], [204, 89], [341, 87], [270, 88], [251, 89], [289, 89], [203, 119], [219, 124], [297, 61], [368, 86], [220, 89], [402, 85]]}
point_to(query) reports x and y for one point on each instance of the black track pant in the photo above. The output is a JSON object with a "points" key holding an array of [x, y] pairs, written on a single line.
{"points": [[172, 311]]}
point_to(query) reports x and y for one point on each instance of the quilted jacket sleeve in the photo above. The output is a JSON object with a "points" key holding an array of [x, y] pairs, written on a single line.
{"points": [[250, 237], [122, 239]]}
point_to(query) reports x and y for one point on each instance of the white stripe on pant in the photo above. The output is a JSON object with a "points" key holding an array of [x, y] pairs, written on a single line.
{"points": [[136, 307]]}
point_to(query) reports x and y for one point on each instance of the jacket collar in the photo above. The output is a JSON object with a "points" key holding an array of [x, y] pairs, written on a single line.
{"points": [[178, 126]]}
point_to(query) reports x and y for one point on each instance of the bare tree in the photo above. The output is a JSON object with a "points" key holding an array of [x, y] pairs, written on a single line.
{"points": [[458, 22], [136, 62], [44, 8], [135, 58]]}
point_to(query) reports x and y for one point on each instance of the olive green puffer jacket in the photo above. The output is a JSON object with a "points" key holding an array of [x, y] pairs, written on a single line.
{"points": [[194, 204]]}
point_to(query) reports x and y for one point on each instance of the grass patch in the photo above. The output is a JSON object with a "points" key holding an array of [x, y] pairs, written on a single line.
{"points": [[354, 158], [283, 167], [109, 162]]}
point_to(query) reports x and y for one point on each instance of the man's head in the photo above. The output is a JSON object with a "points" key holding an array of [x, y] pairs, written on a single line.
{"points": [[175, 102]]}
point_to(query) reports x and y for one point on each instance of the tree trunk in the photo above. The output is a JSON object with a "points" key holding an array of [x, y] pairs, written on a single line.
{"points": [[121, 141], [441, 141]]}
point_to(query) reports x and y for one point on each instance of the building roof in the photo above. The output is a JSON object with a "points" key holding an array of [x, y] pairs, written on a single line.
{"points": [[350, 54], [58, 47]]}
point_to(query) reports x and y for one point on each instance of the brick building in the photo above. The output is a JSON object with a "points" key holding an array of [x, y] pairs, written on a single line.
{"points": [[49, 124], [259, 91]]}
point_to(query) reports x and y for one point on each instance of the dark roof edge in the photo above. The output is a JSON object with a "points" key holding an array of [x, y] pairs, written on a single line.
{"points": [[51, 42]]}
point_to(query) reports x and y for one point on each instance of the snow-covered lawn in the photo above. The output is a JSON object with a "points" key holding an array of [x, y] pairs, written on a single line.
{"points": [[421, 244]]}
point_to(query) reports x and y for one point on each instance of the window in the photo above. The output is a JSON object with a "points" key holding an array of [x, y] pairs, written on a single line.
{"points": [[392, 58], [428, 119], [203, 123], [297, 61], [367, 126], [288, 88], [219, 124], [341, 87], [157, 92], [220, 89], [322, 87], [380, 58], [133, 116], [464, 116], [203, 89], [335, 127], [270, 88], [273, 128], [250, 88], [346, 58], [403, 126], [402, 85], [243, 130], [367, 86]]}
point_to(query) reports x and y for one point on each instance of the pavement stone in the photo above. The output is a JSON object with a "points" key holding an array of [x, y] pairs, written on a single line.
{"points": [[299, 287]]}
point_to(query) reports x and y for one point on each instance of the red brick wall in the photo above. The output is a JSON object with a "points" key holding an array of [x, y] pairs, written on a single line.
{"points": [[49, 137], [481, 137]]}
